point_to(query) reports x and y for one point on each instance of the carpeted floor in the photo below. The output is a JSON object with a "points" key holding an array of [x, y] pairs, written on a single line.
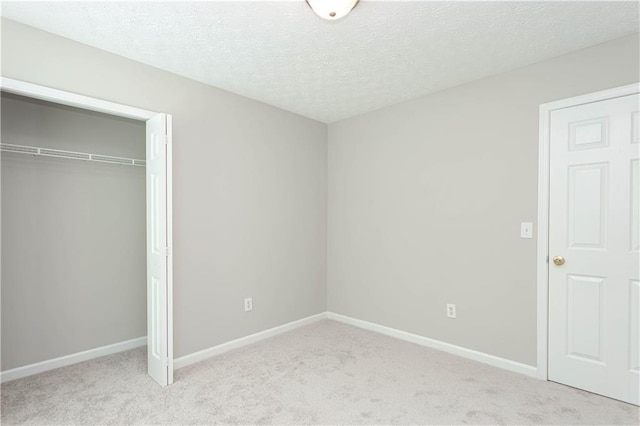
{"points": [[325, 373]]}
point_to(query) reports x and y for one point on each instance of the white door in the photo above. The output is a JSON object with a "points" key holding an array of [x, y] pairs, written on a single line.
{"points": [[157, 300], [594, 296]]}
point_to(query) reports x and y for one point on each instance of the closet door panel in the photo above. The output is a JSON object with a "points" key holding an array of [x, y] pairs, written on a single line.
{"points": [[157, 309]]}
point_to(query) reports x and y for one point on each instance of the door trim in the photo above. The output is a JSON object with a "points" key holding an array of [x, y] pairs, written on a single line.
{"points": [[93, 104], [542, 262]]}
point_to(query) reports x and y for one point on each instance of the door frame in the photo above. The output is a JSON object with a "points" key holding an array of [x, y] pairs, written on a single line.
{"points": [[57, 96], [542, 261]]}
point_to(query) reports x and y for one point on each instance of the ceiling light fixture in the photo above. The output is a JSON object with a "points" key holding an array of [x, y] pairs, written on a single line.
{"points": [[332, 9]]}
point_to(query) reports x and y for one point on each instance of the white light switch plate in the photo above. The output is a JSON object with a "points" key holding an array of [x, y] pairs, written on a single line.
{"points": [[526, 230]]}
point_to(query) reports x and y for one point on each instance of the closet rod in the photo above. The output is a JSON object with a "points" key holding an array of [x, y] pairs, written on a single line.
{"points": [[48, 152]]}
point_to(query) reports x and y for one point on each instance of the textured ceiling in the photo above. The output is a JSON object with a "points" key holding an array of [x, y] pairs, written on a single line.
{"points": [[382, 53]]}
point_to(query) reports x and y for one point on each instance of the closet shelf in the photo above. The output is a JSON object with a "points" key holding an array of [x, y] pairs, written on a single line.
{"points": [[48, 152]]}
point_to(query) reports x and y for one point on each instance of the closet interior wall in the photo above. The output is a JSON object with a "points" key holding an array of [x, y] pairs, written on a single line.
{"points": [[73, 233]]}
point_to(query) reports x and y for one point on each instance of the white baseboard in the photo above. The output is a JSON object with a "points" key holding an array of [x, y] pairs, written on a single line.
{"points": [[63, 361], [183, 361], [485, 358]]}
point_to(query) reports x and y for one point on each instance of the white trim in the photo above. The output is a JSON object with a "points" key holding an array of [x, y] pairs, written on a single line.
{"points": [[169, 179], [72, 99], [543, 210], [482, 357], [542, 265], [615, 92], [204, 354], [63, 361]]}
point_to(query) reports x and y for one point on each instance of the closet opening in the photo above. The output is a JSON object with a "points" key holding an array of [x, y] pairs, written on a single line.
{"points": [[86, 231]]}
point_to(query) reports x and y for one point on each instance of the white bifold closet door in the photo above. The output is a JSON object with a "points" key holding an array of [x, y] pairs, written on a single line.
{"points": [[157, 251]]}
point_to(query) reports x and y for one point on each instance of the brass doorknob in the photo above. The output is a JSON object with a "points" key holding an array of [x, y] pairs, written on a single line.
{"points": [[558, 260]]}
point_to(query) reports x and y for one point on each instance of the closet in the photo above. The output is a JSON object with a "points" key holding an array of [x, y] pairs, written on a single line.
{"points": [[73, 218]]}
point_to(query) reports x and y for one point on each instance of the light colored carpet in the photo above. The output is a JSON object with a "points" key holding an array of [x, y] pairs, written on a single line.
{"points": [[324, 373]]}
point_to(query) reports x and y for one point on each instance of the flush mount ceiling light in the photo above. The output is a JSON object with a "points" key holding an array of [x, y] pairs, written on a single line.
{"points": [[332, 9]]}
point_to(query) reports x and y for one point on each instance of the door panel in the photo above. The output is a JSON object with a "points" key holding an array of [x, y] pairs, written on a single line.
{"points": [[585, 297], [587, 198], [157, 309], [589, 134], [593, 225]]}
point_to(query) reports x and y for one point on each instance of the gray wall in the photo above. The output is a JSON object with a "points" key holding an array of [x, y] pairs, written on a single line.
{"points": [[426, 200], [73, 233], [249, 188]]}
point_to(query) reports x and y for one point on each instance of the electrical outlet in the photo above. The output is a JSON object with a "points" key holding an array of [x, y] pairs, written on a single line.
{"points": [[451, 310], [248, 304]]}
